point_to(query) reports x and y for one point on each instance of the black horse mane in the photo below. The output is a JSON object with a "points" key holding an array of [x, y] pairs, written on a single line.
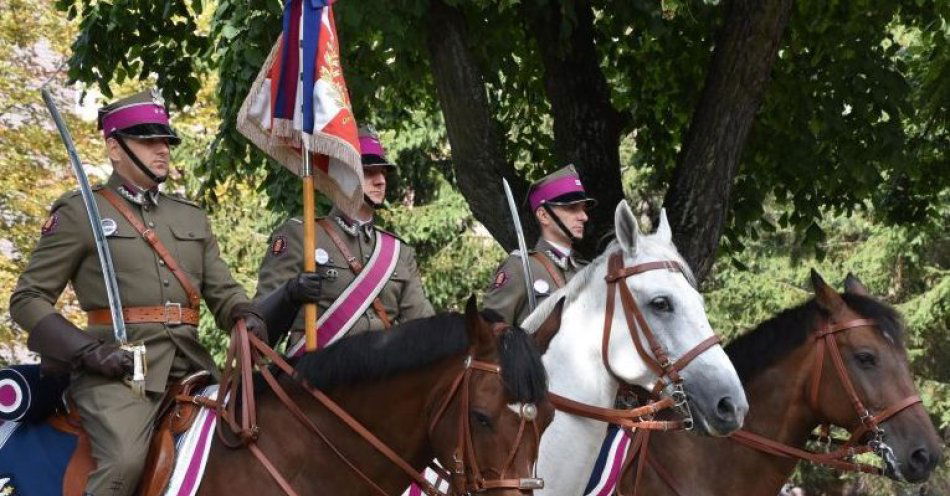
{"points": [[373, 356], [760, 348]]}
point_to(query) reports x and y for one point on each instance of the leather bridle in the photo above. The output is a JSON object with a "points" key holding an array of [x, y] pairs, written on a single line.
{"points": [[466, 475], [247, 350], [840, 458]]}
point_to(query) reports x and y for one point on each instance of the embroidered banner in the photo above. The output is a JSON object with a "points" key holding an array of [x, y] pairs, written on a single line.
{"points": [[335, 321]]}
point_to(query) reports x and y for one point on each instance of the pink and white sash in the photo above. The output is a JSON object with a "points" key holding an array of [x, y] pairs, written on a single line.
{"points": [[358, 296]]}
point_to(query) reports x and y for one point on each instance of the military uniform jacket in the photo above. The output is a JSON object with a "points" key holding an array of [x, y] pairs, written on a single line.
{"points": [[507, 293], [402, 296], [66, 253]]}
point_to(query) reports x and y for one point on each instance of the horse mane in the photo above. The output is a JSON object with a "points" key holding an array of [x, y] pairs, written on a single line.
{"points": [[771, 340], [373, 356], [647, 245]]}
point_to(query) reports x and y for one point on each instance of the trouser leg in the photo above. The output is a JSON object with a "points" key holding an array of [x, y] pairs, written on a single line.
{"points": [[119, 425]]}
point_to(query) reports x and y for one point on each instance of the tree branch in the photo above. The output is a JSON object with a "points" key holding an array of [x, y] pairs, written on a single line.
{"points": [[478, 143], [586, 124], [698, 200]]}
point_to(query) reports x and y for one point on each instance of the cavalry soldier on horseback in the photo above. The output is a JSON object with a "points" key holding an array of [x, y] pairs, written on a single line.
{"points": [[166, 260], [366, 279], [559, 204]]}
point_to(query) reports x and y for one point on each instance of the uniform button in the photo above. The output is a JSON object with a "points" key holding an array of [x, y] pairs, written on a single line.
{"points": [[151, 224], [165, 282], [191, 235], [161, 262]]}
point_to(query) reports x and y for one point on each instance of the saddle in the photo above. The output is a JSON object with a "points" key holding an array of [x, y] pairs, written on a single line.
{"points": [[176, 415]]}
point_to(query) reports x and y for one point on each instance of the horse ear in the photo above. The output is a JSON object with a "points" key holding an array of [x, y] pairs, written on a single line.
{"points": [[626, 227], [663, 232], [478, 333], [854, 285], [825, 295], [550, 326]]}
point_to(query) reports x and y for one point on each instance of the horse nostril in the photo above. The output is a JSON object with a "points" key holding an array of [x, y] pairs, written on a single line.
{"points": [[726, 409], [921, 461]]}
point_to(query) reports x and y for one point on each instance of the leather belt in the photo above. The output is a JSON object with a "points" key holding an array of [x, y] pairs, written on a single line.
{"points": [[170, 314]]}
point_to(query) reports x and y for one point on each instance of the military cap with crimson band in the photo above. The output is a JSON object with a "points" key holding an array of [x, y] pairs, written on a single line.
{"points": [[371, 149], [140, 116], [561, 187]]}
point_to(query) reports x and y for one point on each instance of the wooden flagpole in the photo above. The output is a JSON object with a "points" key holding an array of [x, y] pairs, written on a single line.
{"points": [[309, 243]]}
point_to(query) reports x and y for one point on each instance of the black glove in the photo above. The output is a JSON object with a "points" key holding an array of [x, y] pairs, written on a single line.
{"points": [[253, 320], [63, 346], [305, 288]]}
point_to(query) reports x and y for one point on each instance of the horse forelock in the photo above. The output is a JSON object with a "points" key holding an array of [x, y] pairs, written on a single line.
{"points": [[522, 370]]}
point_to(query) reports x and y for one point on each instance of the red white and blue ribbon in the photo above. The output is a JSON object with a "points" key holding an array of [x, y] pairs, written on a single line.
{"points": [[300, 97]]}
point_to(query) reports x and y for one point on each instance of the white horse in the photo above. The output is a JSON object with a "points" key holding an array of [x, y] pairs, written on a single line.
{"points": [[674, 310]]}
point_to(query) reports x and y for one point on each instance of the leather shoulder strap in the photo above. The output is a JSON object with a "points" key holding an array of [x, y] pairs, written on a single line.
{"points": [[549, 266], [356, 266], [194, 297]]}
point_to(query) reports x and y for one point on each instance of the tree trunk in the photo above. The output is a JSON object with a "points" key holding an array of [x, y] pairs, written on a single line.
{"points": [[477, 140], [698, 201], [587, 127]]}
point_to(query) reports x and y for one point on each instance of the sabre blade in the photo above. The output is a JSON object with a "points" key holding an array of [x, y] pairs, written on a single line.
{"points": [[95, 221], [522, 247]]}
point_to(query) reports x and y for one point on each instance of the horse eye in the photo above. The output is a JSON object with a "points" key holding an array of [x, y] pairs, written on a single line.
{"points": [[481, 419], [865, 359], [661, 304]]}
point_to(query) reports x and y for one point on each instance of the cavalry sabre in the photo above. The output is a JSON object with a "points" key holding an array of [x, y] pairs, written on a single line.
{"points": [[522, 247], [137, 381]]}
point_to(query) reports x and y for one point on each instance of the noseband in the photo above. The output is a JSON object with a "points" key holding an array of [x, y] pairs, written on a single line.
{"points": [[464, 454], [667, 370], [825, 340]]}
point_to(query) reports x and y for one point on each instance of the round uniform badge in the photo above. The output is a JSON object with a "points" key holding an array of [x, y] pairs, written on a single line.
{"points": [[321, 256], [541, 286], [279, 245], [49, 227], [109, 226]]}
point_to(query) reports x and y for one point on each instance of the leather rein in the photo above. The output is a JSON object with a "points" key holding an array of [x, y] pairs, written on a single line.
{"points": [[841, 458], [666, 369], [246, 351]]}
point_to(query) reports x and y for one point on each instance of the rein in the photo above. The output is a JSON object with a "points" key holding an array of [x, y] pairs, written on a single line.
{"points": [[841, 458], [247, 350]]}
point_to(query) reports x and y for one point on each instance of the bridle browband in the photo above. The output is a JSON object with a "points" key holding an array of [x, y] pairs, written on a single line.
{"points": [[247, 350], [658, 360], [840, 458]]}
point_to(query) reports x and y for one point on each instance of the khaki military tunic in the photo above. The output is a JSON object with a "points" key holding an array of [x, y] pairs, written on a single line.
{"points": [[402, 297], [507, 293], [118, 423]]}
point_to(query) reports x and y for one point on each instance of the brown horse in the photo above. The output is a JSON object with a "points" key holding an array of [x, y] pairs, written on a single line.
{"points": [[403, 385], [791, 393]]}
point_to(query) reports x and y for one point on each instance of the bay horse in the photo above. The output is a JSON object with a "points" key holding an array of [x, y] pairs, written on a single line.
{"points": [[663, 341], [837, 359], [403, 385]]}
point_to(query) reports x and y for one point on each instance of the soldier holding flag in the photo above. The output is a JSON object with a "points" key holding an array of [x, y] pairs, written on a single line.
{"points": [[165, 260], [559, 204], [366, 278]]}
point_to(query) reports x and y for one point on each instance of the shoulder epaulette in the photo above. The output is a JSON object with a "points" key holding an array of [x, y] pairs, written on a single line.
{"points": [[517, 253], [64, 198], [391, 234], [180, 199]]}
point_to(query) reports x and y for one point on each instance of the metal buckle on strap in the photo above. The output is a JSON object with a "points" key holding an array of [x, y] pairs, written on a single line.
{"points": [[173, 321]]}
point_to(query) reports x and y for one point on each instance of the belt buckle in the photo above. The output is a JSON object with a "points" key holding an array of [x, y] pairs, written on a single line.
{"points": [[170, 321]]}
